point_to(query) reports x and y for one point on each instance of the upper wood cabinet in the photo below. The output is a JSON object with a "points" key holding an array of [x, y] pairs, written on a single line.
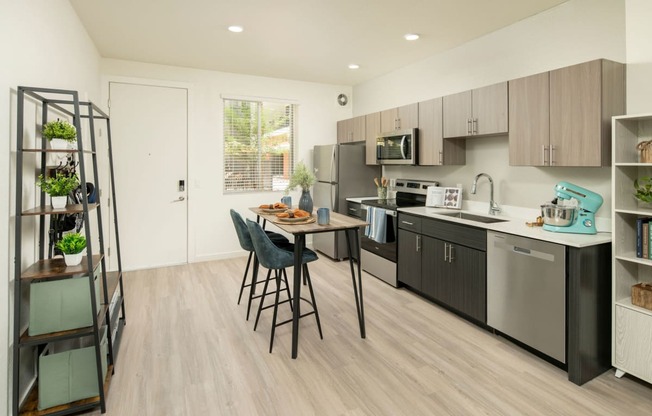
{"points": [[372, 130], [434, 150], [478, 112], [563, 118], [351, 130], [405, 117], [529, 120], [583, 98]]}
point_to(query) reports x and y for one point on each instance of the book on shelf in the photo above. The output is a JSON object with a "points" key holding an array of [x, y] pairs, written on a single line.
{"points": [[643, 238]]}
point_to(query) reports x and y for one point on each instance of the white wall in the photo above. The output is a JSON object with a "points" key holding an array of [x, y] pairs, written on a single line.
{"points": [[574, 32], [211, 233], [44, 45], [639, 56]]}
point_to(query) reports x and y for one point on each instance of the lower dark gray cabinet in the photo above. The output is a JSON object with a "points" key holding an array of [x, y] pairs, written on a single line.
{"points": [[409, 259], [450, 272]]}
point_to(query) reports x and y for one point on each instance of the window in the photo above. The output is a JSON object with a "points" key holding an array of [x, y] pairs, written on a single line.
{"points": [[258, 145]]}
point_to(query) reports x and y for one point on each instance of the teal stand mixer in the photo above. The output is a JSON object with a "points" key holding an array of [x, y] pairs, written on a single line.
{"points": [[569, 219]]}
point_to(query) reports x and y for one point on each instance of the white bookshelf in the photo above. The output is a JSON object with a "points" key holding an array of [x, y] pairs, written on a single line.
{"points": [[632, 325]]}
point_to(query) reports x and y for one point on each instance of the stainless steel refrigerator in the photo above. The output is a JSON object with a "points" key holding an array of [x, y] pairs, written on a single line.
{"points": [[342, 173]]}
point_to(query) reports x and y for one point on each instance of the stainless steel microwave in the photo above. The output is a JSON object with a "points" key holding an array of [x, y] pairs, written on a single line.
{"points": [[398, 147]]}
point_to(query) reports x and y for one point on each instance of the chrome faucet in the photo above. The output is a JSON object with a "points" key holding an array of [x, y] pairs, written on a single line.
{"points": [[493, 206]]}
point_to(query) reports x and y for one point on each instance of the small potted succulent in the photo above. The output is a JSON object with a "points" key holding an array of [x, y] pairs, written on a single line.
{"points": [[60, 133], [72, 246], [58, 187], [305, 179]]}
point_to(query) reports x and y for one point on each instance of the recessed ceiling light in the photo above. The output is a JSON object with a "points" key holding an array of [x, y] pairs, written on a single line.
{"points": [[354, 66], [235, 29], [411, 36]]}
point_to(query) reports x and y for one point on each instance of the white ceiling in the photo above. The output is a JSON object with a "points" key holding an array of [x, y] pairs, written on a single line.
{"points": [[309, 40]]}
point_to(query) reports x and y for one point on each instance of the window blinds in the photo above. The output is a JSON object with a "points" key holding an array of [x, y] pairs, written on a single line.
{"points": [[259, 142]]}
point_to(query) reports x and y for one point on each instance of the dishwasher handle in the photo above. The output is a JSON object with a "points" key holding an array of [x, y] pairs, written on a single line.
{"points": [[522, 250]]}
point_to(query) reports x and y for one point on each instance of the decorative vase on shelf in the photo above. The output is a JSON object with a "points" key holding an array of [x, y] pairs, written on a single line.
{"points": [[73, 259], [305, 202], [59, 202], [59, 144]]}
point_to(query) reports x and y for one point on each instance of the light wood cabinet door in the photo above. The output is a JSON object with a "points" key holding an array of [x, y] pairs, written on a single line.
{"points": [[343, 129], [372, 130], [388, 120], [575, 115], [529, 120], [458, 114], [351, 130], [433, 148], [490, 110], [408, 116], [399, 118]]}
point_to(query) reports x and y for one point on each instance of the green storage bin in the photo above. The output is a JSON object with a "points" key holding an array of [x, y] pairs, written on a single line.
{"points": [[61, 305], [71, 375]]}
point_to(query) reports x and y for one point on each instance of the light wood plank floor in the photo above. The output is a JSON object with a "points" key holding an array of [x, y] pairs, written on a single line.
{"points": [[187, 350]]}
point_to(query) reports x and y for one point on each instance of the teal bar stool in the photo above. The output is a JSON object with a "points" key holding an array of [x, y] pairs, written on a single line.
{"points": [[246, 244], [278, 258]]}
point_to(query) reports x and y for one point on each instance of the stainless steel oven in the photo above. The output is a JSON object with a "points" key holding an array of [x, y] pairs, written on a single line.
{"points": [[379, 258]]}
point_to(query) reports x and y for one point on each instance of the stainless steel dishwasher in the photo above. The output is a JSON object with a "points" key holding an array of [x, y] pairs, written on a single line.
{"points": [[526, 291]]}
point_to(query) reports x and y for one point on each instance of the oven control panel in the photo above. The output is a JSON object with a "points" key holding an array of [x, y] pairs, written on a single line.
{"points": [[414, 186]]}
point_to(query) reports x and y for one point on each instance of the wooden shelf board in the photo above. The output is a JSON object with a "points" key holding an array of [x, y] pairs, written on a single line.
{"points": [[30, 407], [627, 303], [48, 210], [634, 211], [56, 268], [631, 257], [112, 282], [26, 339], [56, 151]]}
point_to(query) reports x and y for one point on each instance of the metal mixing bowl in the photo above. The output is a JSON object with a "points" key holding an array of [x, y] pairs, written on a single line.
{"points": [[559, 216]]}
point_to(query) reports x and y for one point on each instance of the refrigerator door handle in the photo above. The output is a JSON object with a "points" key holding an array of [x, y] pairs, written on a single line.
{"points": [[332, 168]]}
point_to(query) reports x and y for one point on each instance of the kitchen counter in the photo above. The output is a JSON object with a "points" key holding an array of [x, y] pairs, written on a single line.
{"points": [[513, 225], [360, 199]]}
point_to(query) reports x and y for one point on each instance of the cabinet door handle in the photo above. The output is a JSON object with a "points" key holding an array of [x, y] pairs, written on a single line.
{"points": [[552, 155], [475, 126], [441, 158], [445, 252], [418, 243], [450, 253], [544, 151], [407, 223], [468, 126]]}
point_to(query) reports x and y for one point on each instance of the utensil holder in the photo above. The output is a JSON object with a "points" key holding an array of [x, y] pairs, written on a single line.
{"points": [[382, 193]]}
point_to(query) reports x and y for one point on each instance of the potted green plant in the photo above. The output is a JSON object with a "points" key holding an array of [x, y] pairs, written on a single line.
{"points": [[72, 245], [305, 179], [59, 133], [643, 189], [58, 187]]}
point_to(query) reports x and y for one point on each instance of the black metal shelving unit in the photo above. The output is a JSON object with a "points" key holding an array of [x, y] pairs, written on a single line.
{"points": [[111, 312]]}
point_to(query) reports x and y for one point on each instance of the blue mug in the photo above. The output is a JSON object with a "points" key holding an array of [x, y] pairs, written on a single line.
{"points": [[287, 200], [323, 216]]}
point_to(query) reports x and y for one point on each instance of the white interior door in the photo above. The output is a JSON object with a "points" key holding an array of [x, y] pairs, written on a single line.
{"points": [[149, 132]]}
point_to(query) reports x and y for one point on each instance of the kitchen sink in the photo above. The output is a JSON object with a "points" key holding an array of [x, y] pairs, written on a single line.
{"points": [[473, 217]]}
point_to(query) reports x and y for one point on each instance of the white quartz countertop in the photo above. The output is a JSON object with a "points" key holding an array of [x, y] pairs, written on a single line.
{"points": [[362, 198], [515, 226]]}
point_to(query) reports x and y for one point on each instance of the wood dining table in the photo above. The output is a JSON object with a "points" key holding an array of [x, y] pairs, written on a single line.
{"points": [[299, 230]]}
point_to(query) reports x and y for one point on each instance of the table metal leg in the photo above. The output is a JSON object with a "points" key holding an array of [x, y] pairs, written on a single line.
{"points": [[299, 242], [352, 236]]}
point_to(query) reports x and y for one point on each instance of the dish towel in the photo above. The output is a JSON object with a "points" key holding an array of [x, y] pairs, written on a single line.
{"points": [[377, 228]]}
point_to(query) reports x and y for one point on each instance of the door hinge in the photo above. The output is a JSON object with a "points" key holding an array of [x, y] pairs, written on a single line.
{"points": [[108, 251], [108, 103]]}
